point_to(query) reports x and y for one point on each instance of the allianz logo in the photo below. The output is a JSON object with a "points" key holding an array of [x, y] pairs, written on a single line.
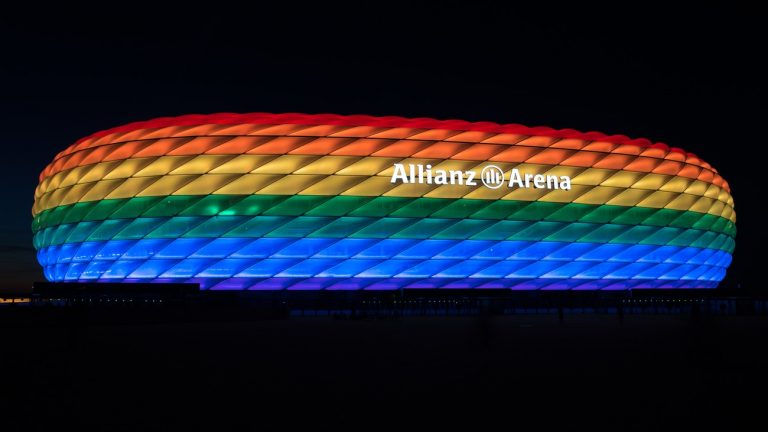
{"points": [[491, 176]]}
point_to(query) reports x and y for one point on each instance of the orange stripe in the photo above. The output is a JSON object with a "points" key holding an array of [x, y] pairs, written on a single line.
{"points": [[626, 157], [362, 147]]}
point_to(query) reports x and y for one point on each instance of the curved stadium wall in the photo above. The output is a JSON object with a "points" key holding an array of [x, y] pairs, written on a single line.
{"points": [[293, 201]]}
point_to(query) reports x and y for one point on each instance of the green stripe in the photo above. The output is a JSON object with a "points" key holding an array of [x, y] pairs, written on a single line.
{"points": [[316, 205], [374, 227]]}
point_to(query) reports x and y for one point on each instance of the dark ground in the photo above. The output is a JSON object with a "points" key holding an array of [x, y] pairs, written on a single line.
{"points": [[638, 372]]}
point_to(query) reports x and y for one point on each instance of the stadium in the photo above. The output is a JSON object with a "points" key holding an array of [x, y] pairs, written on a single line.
{"points": [[330, 202]]}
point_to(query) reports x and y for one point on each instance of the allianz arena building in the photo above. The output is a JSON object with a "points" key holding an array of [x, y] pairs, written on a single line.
{"points": [[330, 202]]}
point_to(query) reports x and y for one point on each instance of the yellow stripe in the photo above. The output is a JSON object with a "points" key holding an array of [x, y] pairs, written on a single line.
{"points": [[361, 166], [189, 184]]}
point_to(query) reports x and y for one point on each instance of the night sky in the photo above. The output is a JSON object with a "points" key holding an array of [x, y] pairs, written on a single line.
{"points": [[692, 80]]}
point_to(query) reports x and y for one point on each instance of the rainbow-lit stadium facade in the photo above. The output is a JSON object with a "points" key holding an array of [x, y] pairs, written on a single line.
{"points": [[293, 201]]}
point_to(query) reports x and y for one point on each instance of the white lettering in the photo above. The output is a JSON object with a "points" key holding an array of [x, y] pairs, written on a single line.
{"points": [[456, 177], [552, 182], [515, 179], [441, 177], [528, 178], [399, 173], [425, 174], [470, 178]]}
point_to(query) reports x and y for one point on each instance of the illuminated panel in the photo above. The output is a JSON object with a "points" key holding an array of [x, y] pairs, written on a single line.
{"points": [[294, 201]]}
